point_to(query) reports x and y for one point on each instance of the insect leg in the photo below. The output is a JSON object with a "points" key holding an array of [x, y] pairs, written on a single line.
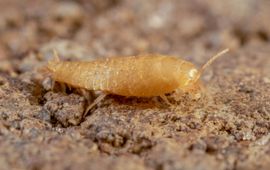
{"points": [[196, 92], [97, 100], [53, 84], [69, 87], [86, 94], [63, 87], [163, 97]]}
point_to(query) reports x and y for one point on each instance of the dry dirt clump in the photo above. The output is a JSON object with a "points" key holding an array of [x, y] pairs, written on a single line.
{"points": [[227, 129]]}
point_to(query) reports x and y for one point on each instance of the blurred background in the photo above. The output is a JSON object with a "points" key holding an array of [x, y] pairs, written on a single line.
{"points": [[94, 28]]}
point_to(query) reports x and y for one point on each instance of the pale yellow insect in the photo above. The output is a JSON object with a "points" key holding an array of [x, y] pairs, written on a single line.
{"points": [[141, 76]]}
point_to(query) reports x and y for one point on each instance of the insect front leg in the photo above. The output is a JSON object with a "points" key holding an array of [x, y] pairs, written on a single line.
{"points": [[196, 91]]}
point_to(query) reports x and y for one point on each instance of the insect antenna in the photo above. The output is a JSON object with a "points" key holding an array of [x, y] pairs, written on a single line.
{"points": [[212, 59], [53, 62], [55, 56], [55, 59], [49, 67], [209, 62]]}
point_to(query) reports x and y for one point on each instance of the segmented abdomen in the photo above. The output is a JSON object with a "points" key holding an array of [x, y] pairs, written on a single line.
{"points": [[128, 76]]}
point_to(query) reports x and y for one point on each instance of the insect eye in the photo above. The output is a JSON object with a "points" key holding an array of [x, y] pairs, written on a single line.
{"points": [[193, 73]]}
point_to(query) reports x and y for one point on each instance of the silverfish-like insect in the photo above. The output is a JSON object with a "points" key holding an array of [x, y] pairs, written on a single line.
{"points": [[141, 76]]}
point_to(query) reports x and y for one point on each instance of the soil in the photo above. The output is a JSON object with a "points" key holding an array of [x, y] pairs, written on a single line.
{"points": [[228, 128]]}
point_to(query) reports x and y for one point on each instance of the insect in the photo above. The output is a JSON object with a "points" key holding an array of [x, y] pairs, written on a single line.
{"points": [[141, 76]]}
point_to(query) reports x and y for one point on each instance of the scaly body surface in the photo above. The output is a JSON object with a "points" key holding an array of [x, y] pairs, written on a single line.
{"points": [[141, 76]]}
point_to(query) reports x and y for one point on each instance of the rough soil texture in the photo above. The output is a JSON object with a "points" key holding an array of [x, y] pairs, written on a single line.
{"points": [[228, 128]]}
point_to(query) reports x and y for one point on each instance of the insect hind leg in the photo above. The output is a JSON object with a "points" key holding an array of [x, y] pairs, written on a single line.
{"points": [[95, 102], [165, 99]]}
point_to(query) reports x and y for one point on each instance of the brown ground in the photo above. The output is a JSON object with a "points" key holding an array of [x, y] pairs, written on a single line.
{"points": [[227, 129]]}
